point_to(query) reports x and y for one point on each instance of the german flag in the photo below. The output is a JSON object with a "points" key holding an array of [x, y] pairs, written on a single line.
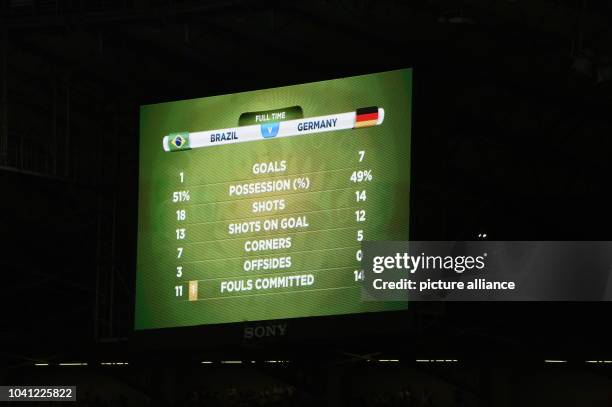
{"points": [[366, 117]]}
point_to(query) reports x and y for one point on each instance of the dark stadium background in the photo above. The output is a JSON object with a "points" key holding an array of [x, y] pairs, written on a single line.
{"points": [[512, 138]]}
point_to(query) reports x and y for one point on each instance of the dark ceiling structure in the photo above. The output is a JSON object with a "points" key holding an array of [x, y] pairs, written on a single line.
{"points": [[66, 62]]}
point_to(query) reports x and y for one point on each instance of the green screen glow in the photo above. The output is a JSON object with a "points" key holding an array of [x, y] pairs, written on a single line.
{"points": [[253, 206]]}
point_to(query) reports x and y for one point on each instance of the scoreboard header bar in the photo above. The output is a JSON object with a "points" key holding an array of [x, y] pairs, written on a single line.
{"points": [[362, 117]]}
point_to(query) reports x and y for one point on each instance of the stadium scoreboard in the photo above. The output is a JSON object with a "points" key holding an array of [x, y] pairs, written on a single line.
{"points": [[253, 205]]}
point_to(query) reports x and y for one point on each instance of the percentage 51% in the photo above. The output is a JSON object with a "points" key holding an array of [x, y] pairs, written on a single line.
{"points": [[180, 196]]}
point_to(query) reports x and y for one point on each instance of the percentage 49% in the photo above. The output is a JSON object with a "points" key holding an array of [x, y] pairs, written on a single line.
{"points": [[362, 176]]}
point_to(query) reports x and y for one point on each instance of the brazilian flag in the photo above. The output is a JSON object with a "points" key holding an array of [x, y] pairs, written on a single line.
{"points": [[178, 141]]}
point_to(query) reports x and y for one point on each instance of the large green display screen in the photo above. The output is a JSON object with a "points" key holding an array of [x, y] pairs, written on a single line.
{"points": [[253, 206]]}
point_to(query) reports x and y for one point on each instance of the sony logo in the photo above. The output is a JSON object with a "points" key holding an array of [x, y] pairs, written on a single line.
{"points": [[265, 331]]}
